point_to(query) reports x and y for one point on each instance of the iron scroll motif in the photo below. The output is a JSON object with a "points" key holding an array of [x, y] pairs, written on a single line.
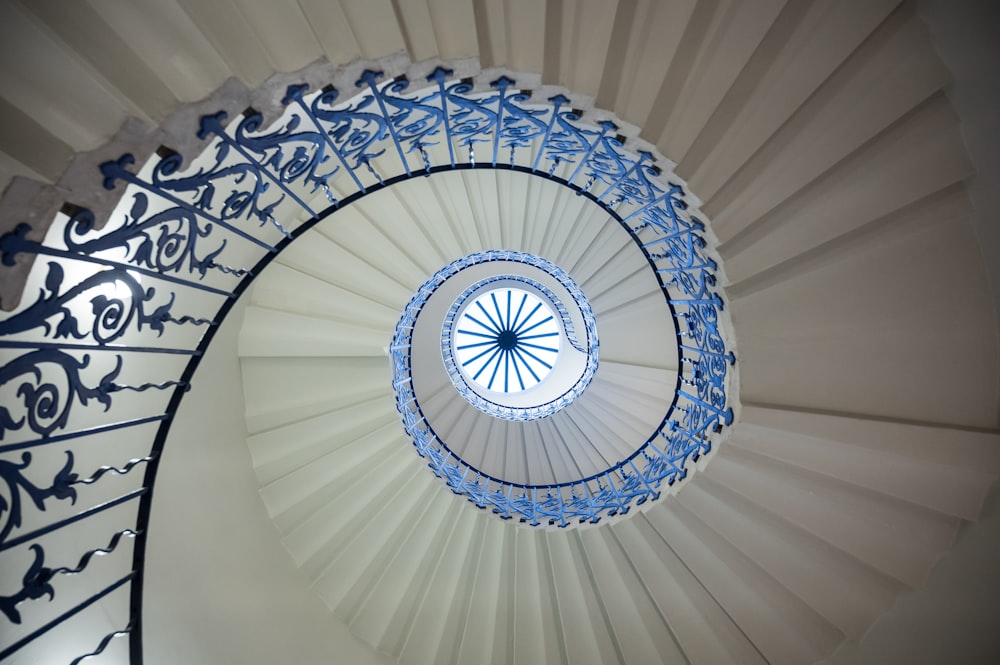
{"points": [[42, 373], [37, 580], [117, 299], [189, 236], [16, 482], [165, 241]]}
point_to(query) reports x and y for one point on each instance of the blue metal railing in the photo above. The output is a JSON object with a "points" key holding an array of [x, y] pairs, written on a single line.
{"points": [[115, 321]]}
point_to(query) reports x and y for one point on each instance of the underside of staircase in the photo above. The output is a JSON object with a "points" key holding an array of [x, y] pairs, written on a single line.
{"points": [[294, 520]]}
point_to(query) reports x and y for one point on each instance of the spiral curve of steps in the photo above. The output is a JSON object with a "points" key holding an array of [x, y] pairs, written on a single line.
{"points": [[786, 544], [830, 166]]}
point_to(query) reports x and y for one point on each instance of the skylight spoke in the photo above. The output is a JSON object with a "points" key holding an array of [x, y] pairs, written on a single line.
{"points": [[496, 366], [496, 327], [517, 316], [501, 323], [536, 346], [532, 355], [528, 318], [488, 327], [527, 365], [492, 347], [534, 318], [506, 365], [487, 363], [469, 346], [517, 369], [469, 332], [507, 320], [546, 320]]}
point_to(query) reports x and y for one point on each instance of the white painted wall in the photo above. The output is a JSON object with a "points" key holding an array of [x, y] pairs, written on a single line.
{"points": [[966, 35], [220, 588], [953, 618]]}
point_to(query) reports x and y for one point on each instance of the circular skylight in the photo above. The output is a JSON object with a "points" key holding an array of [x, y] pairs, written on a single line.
{"points": [[507, 340], [518, 339]]}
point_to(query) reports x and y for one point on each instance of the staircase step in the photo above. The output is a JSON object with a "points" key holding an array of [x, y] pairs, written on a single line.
{"points": [[639, 631], [380, 604], [370, 536], [847, 593], [898, 539], [782, 628], [278, 451], [288, 289], [279, 391], [273, 333], [705, 632], [433, 614]]}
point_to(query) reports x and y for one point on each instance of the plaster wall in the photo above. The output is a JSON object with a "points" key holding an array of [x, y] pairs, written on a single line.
{"points": [[951, 619], [220, 588]]}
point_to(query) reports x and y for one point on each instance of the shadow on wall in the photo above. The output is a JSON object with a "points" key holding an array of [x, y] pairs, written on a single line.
{"points": [[953, 618], [256, 607]]}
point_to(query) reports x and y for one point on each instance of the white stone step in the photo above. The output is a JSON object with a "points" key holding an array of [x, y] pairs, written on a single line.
{"points": [[781, 627]]}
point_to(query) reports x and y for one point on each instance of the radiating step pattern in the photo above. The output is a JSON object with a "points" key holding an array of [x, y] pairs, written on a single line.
{"points": [[818, 141], [790, 541], [807, 525], [636, 355]]}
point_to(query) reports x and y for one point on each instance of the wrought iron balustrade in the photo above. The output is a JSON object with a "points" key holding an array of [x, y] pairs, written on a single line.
{"points": [[114, 322]]}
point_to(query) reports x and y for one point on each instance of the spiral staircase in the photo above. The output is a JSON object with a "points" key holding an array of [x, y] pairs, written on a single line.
{"points": [[295, 521]]}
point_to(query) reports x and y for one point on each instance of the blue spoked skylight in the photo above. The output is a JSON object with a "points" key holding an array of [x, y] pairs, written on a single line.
{"points": [[507, 340], [521, 357]]}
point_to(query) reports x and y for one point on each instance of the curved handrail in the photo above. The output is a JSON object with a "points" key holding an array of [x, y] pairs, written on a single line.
{"points": [[185, 242]]}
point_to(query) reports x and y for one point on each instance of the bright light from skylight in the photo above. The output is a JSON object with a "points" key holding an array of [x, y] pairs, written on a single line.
{"points": [[507, 340]]}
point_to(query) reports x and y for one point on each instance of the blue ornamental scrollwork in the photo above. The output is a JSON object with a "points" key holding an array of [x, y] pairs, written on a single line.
{"points": [[412, 121], [470, 118], [290, 152], [117, 300], [241, 203], [11, 473], [35, 584], [227, 190], [604, 163], [519, 126], [44, 373], [219, 216], [165, 241], [570, 141], [295, 93], [264, 157], [355, 131], [627, 181]]}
